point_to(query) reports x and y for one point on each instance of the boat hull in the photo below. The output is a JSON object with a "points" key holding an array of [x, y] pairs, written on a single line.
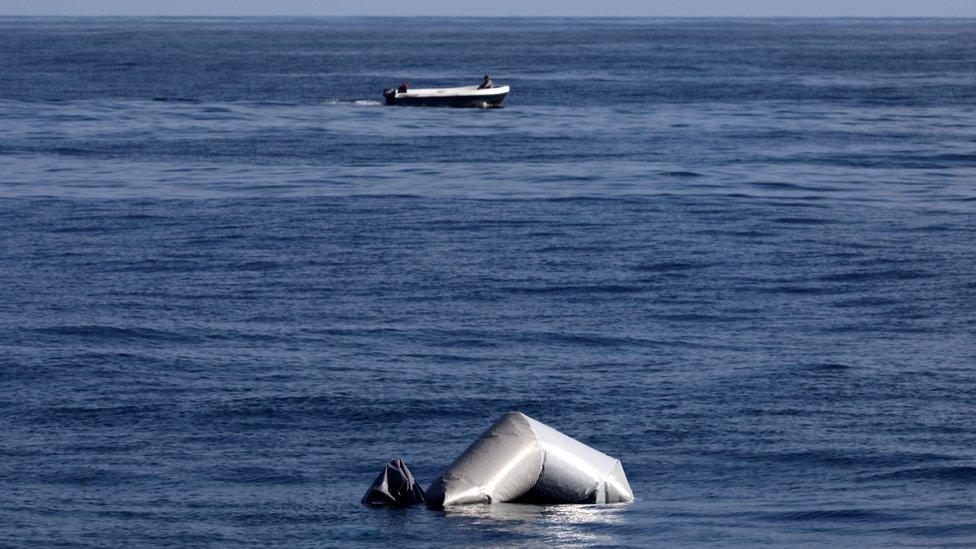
{"points": [[484, 100]]}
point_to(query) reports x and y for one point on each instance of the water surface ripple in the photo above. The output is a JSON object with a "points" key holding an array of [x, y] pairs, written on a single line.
{"points": [[737, 254]]}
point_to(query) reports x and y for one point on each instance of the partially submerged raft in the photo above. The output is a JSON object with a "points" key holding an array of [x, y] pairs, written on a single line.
{"points": [[518, 460]]}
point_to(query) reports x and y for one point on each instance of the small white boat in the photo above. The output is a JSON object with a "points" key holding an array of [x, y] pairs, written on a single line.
{"points": [[468, 96]]}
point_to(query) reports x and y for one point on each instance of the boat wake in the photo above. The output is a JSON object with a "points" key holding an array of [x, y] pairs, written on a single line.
{"points": [[354, 102]]}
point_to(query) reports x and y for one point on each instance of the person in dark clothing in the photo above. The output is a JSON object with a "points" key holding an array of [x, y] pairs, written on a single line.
{"points": [[403, 87], [486, 84]]}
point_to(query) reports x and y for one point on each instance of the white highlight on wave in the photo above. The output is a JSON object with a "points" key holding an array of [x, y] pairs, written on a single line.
{"points": [[354, 102]]}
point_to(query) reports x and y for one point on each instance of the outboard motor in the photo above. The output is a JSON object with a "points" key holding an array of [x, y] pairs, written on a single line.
{"points": [[389, 94]]}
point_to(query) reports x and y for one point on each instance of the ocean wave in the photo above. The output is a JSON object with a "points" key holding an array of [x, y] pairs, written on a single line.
{"points": [[836, 515], [113, 333], [949, 473]]}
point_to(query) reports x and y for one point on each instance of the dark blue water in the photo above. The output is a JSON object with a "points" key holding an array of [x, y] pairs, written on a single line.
{"points": [[737, 254]]}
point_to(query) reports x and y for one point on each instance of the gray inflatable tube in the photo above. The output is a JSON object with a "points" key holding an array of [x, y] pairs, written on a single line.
{"points": [[523, 461]]}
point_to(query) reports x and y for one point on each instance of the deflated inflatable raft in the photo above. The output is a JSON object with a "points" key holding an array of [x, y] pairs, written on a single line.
{"points": [[519, 460], [394, 487]]}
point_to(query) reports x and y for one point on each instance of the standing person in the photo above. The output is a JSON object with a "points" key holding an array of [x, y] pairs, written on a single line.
{"points": [[486, 84]]}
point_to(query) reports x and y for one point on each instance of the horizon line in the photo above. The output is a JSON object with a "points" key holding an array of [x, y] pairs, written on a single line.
{"points": [[450, 16]]}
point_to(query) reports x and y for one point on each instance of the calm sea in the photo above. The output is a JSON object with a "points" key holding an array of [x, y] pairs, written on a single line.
{"points": [[737, 254]]}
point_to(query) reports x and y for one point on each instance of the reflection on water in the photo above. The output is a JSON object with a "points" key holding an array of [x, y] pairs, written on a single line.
{"points": [[552, 524]]}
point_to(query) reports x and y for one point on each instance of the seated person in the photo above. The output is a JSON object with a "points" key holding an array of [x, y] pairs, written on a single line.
{"points": [[403, 87], [486, 84]]}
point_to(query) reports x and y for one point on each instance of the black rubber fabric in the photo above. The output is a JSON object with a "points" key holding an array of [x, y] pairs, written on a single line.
{"points": [[394, 487]]}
